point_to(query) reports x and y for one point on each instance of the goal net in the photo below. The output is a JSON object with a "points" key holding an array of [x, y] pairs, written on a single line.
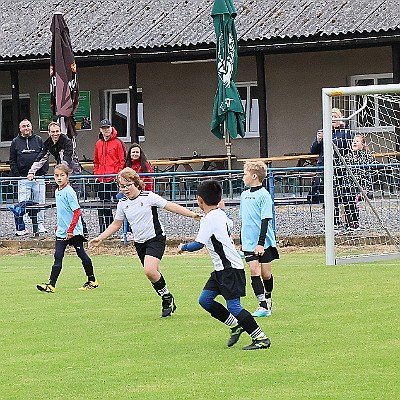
{"points": [[361, 128]]}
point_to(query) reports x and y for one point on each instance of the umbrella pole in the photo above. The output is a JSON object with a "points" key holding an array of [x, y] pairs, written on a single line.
{"points": [[228, 144]]}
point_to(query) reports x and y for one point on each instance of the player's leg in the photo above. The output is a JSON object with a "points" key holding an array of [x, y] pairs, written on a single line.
{"points": [[150, 254], [268, 283], [256, 283], [59, 251], [247, 323], [91, 283]]}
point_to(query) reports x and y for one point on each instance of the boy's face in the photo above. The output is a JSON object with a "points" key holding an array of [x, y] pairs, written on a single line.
{"points": [[128, 188], [54, 133], [250, 178], [60, 177]]}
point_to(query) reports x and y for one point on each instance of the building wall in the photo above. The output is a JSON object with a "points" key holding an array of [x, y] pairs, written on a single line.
{"points": [[178, 100]]}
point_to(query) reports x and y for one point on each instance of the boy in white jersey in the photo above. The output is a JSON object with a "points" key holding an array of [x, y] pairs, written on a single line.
{"points": [[140, 209], [228, 278], [257, 235]]}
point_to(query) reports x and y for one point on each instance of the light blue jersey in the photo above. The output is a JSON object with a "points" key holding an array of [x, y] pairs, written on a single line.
{"points": [[255, 205], [67, 203]]}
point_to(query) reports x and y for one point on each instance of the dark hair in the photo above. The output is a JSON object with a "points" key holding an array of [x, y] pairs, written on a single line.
{"points": [[144, 164], [210, 192]]}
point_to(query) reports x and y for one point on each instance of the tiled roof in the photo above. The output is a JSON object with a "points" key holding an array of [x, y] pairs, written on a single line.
{"points": [[97, 26]]}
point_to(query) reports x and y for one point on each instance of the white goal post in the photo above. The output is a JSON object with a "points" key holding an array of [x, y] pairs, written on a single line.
{"points": [[361, 173]]}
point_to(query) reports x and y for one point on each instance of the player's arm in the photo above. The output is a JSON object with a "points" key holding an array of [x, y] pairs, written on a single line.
{"points": [[261, 239], [75, 219], [111, 229], [193, 246], [178, 209]]}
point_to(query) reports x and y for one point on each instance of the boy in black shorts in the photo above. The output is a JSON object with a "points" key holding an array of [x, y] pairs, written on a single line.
{"points": [[228, 278]]}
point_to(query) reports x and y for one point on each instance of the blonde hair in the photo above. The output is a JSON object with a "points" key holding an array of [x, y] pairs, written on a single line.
{"points": [[64, 168], [338, 112], [256, 167], [363, 140], [53, 123], [131, 176]]}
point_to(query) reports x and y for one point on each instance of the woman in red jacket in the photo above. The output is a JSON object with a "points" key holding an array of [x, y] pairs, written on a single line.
{"points": [[137, 160]]}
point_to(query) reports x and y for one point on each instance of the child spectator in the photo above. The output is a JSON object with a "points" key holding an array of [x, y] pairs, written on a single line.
{"points": [[359, 161], [228, 278], [69, 231], [140, 208], [257, 235]]}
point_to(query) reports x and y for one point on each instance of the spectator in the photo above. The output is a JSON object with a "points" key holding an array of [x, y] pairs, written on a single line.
{"points": [[62, 149], [109, 158], [359, 162], [24, 150], [342, 138], [137, 160]]}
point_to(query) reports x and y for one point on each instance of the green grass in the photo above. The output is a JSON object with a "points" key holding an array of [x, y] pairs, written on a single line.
{"points": [[334, 333]]}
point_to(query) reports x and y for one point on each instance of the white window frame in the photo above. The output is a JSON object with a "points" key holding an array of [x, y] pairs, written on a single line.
{"points": [[375, 81], [247, 108], [108, 93], [7, 143]]}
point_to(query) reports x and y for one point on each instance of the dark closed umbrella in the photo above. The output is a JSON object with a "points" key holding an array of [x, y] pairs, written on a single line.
{"points": [[63, 78], [228, 118]]}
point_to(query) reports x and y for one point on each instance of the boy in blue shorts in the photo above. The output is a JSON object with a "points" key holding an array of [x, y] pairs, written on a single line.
{"points": [[257, 236], [228, 278]]}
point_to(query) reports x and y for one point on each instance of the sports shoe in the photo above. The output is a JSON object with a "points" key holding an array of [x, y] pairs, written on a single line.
{"points": [[41, 229], [260, 343], [168, 305], [260, 312], [236, 331], [46, 287], [128, 238], [89, 285], [22, 233]]}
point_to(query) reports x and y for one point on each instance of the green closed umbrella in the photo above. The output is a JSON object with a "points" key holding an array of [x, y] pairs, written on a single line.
{"points": [[228, 119]]}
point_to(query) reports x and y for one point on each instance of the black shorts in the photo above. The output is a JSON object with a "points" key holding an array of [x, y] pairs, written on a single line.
{"points": [[270, 254], [229, 283], [154, 247]]}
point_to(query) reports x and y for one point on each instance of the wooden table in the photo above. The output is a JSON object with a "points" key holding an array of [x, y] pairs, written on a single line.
{"points": [[301, 159], [172, 164]]}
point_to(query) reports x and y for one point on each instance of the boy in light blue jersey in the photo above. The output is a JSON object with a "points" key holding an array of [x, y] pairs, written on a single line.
{"points": [[257, 236]]}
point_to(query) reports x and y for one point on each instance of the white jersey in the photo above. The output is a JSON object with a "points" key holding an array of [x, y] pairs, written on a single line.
{"points": [[142, 215], [215, 233]]}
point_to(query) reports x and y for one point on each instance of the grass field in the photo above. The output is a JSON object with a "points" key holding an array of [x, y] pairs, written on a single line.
{"points": [[334, 333]]}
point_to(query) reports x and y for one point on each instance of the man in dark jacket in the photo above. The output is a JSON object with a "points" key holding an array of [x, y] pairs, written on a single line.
{"points": [[24, 150], [61, 148]]}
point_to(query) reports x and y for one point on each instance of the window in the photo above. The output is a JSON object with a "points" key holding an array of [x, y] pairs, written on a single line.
{"points": [[248, 94], [117, 104], [379, 118], [7, 129]]}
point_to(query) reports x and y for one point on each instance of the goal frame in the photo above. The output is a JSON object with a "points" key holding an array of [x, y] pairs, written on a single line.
{"points": [[327, 95]]}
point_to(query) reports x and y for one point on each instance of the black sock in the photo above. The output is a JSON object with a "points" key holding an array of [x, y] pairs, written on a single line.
{"points": [[249, 324], [269, 286], [219, 312], [160, 287]]}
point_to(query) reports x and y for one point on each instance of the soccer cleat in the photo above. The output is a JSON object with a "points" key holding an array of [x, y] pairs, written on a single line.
{"points": [[46, 287], [89, 285], [259, 343], [260, 312], [168, 305], [236, 331]]}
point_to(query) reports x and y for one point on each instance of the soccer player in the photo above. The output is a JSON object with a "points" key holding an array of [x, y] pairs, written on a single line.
{"points": [[69, 231], [140, 209], [257, 236], [228, 278]]}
